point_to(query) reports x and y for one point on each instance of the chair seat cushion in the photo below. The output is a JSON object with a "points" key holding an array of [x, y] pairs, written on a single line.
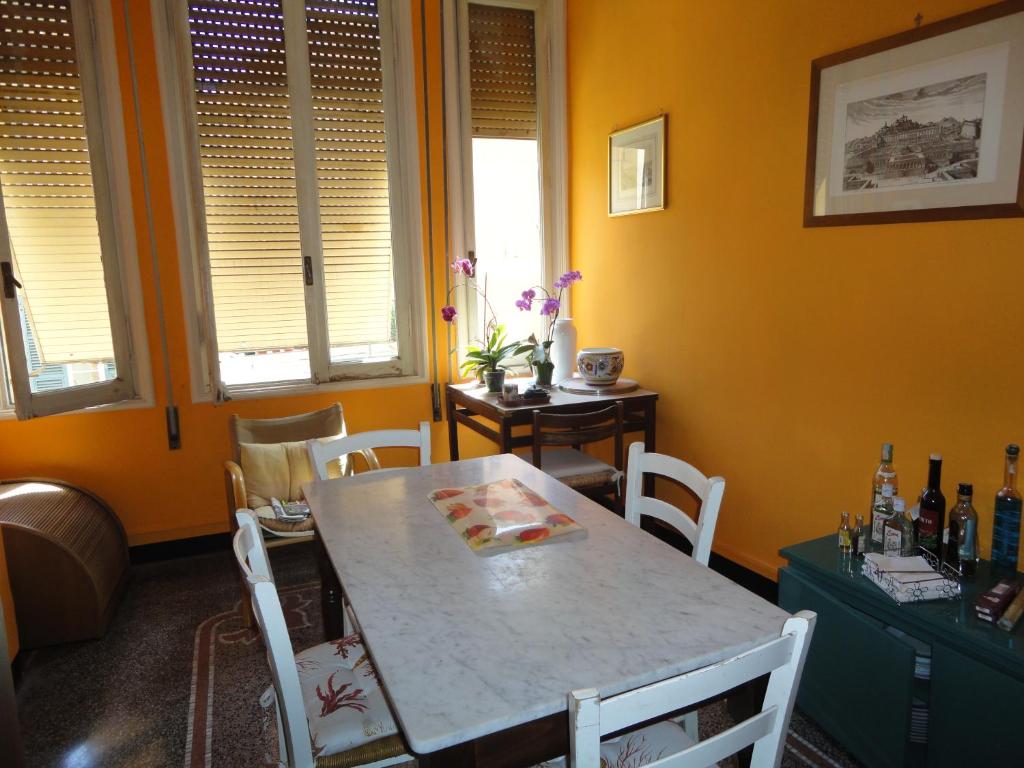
{"points": [[577, 469], [638, 748], [345, 706]]}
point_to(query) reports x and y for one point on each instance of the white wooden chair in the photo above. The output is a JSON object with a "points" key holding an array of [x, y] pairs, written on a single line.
{"points": [[330, 707], [708, 489], [665, 744], [324, 450]]}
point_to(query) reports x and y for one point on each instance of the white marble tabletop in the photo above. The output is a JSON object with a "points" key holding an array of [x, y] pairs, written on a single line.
{"points": [[468, 645]]}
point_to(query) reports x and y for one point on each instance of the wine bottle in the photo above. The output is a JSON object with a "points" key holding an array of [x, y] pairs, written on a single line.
{"points": [[932, 509], [886, 473], [1006, 527], [962, 547]]}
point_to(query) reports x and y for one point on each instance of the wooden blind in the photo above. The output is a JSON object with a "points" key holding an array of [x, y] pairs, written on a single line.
{"points": [[248, 169], [47, 183], [502, 72], [352, 171]]}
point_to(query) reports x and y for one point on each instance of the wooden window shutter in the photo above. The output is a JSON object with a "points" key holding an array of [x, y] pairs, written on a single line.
{"points": [[352, 170], [502, 72], [248, 173], [47, 184]]}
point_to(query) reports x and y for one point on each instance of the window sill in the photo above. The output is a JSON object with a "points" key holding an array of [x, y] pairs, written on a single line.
{"points": [[262, 391], [8, 414]]}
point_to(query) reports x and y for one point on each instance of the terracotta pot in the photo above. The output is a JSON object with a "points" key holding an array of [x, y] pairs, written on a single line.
{"points": [[600, 366]]}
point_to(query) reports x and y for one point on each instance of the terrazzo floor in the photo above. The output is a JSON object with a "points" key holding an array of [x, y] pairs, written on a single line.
{"points": [[124, 700]]}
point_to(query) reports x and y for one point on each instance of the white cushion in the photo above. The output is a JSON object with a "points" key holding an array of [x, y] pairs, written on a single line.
{"points": [[576, 468], [638, 748], [345, 706]]}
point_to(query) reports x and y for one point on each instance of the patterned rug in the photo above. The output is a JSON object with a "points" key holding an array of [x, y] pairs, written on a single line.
{"points": [[228, 727]]}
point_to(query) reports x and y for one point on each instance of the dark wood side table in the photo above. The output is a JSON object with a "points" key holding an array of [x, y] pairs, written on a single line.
{"points": [[859, 680], [468, 403]]}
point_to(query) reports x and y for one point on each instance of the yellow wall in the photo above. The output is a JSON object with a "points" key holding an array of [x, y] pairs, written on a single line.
{"points": [[785, 356], [123, 456]]}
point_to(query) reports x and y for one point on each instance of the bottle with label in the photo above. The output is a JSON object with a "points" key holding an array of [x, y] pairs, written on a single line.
{"points": [[962, 547], [858, 541], [881, 512], [885, 473], [899, 531], [845, 534], [932, 509], [1006, 526]]}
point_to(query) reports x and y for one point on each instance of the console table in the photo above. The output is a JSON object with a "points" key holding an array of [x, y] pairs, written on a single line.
{"points": [[859, 683], [465, 403]]}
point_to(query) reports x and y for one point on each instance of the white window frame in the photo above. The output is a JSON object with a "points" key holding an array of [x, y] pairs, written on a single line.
{"points": [[550, 47], [96, 50], [174, 59]]}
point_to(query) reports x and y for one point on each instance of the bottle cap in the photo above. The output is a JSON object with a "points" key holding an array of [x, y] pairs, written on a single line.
{"points": [[964, 489], [1012, 449], [935, 457], [899, 504], [886, 490], [844, 514], [887, 452]]}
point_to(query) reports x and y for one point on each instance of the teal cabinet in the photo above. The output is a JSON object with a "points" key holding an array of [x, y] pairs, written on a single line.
{"points": [[858, 682]]}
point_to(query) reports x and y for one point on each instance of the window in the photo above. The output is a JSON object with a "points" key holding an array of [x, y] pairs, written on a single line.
{"points": [[304, 216], [508, 152], [70, 281]]}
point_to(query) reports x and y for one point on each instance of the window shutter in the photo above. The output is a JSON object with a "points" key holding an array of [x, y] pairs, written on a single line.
{"points": [[352, 171], [248, 172], [503, 78], [47, 184]]}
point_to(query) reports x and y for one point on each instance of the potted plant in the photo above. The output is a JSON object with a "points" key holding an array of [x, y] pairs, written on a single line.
{"points": [[486, 359], [550, 305]]}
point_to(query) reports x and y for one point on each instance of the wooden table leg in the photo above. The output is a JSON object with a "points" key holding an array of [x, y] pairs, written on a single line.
{"points": [[505, 446], [743, 703], [453, 426], [459, 756], [330, 595], [650, 426]]}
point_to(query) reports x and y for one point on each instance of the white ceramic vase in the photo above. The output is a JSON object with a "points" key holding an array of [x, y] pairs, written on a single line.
{"points": [[563, 349]]}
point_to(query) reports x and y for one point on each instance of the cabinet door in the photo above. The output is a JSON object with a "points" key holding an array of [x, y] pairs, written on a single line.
{"points": [[975, 713], [858, 679]]}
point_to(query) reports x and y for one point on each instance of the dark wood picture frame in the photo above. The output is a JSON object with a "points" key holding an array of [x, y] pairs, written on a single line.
{"points": [[952, 24]]}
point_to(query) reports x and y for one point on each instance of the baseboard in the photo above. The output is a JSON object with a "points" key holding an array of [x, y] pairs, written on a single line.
{"points": [[170, 550]]}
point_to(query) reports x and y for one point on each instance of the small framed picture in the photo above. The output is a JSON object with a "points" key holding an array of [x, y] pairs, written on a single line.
{"points": [[636, 168]]}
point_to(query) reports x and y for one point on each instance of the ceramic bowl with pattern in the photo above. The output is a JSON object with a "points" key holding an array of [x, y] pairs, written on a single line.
{"points": [[600, 366]]}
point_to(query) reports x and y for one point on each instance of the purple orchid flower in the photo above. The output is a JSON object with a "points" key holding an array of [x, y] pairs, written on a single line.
{"points": [[550, 306], [448, 313], [463, 266]]}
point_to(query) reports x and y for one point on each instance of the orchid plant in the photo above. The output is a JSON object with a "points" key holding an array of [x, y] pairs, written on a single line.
{"points": [[550, 307], [490, 353]]}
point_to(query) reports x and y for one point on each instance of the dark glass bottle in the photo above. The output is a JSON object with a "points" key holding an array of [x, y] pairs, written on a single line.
{"points": [[962, 547], [1006, 527], [932, 512]]}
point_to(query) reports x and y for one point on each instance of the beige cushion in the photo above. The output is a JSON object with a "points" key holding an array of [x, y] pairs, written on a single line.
{"points": [[638, 748], [576, 469], [277, 470]]}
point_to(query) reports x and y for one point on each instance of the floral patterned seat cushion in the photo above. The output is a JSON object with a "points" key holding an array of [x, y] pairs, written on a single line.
{"points": [[345, 706], [638, 748]]}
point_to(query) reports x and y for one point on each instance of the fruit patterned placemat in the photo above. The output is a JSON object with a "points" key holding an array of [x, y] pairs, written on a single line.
{"points": [[495, 517]]}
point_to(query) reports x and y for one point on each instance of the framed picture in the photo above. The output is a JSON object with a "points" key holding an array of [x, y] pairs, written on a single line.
{"points": [[921, 126], [636, 168]]}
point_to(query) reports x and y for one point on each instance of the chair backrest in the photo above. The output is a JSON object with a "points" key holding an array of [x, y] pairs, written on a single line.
{"points": [[327, 422], [325, 450], [590, 717], [281, 657], [708, 489], [576, 429], [250, 549]]}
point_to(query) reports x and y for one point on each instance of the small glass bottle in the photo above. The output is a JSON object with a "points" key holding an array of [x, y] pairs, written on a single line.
{"points": [[899, 531], [845, 534], [886, 473], [962, 547], [1006, 525], [881, 512], [857, 540]]}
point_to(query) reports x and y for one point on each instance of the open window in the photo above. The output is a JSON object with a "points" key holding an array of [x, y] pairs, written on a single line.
{"points": [[69, 277], [506, 70]]}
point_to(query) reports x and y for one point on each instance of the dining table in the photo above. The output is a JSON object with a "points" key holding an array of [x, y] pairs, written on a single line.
{"points": [[477, 654]]}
